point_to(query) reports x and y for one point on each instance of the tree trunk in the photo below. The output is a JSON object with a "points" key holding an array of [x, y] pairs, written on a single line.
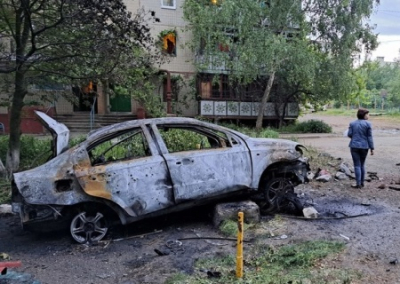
{"points": [[282, 115], [13, 154], [3, 171], [264, 100]]}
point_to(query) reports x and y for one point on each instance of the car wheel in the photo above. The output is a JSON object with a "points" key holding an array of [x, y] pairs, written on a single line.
{"points": [[279, 195], [88, 227]]}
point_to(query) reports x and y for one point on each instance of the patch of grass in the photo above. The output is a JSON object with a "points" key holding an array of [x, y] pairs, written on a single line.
{"points": [[177, 278], [230, 228], [301, 255], [339, 112], [5, 191], [265, 264], [320, 160], [394, 112]]}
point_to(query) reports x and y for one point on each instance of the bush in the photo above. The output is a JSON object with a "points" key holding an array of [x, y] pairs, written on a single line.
{"points": [[313, 126], [5, 191], [337, 104], [34, 151], [252, 132]]}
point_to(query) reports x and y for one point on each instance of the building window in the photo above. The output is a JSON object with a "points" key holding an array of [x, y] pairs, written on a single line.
{"points": [[168, 4], [216, 87], [168, 39], [219, 87]]}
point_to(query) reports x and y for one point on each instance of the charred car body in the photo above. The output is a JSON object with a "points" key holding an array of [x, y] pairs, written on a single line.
{"points": [[142, 168]]}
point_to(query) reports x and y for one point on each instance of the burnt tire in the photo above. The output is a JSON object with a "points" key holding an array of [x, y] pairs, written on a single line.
{"points": [[89, 227], [279, 196]]}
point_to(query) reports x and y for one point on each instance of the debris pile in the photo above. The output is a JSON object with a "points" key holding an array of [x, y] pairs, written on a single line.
{"points": [[343, 172]]}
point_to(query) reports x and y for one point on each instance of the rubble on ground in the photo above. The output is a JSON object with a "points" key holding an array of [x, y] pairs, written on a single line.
{"points": [[343, 172]]}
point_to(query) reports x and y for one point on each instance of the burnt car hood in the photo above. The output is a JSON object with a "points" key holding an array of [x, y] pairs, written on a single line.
{"points": [[58, 130], [278, 149]]}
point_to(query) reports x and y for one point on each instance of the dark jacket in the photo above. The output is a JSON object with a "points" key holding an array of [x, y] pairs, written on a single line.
{"points": [[360, 132]]}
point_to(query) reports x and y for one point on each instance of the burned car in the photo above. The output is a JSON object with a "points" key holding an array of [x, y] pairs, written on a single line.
{"points": [[142, 168]]}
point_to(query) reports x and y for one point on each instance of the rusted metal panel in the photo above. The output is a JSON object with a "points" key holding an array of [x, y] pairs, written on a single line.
{"points": [[38, 185], [93, 181], [139, 186]]}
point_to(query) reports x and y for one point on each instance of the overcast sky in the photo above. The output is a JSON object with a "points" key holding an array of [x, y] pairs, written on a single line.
{"points": [[387, 21]]}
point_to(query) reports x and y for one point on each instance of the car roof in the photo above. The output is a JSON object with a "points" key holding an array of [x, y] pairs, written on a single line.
{"points": [[98, 133]]}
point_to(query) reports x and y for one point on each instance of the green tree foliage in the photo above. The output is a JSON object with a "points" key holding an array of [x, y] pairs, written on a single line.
{"points": [[381, 83], [60, 41], [308, 45]]}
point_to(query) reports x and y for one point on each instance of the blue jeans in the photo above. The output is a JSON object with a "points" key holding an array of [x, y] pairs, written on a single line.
{"points": [[359, 156]]}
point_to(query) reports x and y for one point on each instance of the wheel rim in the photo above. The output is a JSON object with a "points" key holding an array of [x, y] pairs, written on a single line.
{"points": [[88, 229], [277, 191]]}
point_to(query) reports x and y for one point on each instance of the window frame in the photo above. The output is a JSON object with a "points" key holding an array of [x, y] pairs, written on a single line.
{"points": [[139, 131], [168, 7], [169, 51], [220, 137]]}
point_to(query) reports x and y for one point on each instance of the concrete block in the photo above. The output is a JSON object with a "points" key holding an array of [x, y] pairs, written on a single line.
{"points": [[229, 211]]}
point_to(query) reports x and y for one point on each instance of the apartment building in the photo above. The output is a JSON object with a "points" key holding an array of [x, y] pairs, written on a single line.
{"points": [[207, 94]]}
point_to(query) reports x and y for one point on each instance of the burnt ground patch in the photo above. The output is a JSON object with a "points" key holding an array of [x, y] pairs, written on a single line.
{"points": [[345, 207]]}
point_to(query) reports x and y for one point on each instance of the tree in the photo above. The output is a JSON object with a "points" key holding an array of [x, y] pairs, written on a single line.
{"points": [[310, 43], [382, 82], [61, 41]]}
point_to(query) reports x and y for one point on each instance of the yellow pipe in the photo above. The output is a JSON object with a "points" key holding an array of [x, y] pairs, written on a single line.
{"points": [[239, 254]]}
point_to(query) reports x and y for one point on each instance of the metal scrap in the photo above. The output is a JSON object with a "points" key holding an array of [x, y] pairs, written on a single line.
{"points": [[8, 264]]}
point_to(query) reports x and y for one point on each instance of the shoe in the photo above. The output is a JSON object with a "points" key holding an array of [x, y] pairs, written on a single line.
{"points": [[362, 185], [355, 186]]}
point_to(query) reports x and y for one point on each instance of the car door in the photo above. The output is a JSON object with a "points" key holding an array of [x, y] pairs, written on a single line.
{"points": [[127, 169], [203, 162]]}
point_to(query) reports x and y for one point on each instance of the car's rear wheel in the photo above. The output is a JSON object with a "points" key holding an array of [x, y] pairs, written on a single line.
{"points": [[88, 227], [279, 196]]}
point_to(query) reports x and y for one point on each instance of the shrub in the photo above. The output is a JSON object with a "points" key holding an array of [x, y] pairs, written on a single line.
{"points": [[252, 132], [5, 191], [34, 151], [313, 126], [76, 140]]}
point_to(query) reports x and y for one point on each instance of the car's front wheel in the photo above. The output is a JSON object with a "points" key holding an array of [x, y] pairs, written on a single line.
{"points": [[88, 227], [279, 195]]}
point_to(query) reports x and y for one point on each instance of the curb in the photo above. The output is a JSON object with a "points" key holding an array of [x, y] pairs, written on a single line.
{"points": [[5, 209], [308, 136]]}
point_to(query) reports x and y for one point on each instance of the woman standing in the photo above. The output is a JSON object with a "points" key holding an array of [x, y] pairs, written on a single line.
{"points": [[360, 132]]}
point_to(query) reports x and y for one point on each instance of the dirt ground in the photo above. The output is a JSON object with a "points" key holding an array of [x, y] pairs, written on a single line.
{"points": [[130, 253]]}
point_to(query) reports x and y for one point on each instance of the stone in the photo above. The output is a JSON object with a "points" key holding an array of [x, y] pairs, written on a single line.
{"points": [[310, 212], [5, 209], [324, 178], [325, 155], [230, 210], [341, 176], [345, 169]]}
